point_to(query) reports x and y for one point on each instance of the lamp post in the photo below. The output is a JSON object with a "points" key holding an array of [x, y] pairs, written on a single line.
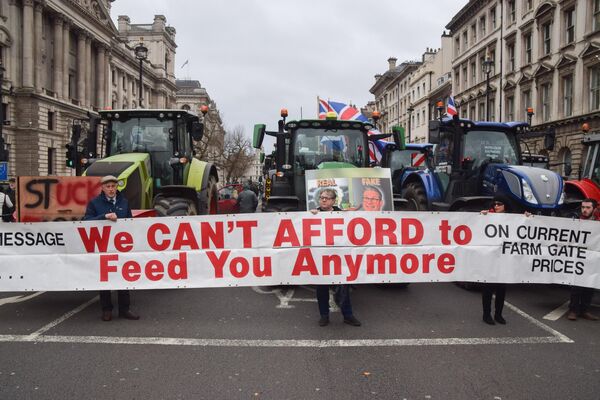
{"points": [[530, 114], [141, 53], [410, 110], [487, 69], [3, 152]]}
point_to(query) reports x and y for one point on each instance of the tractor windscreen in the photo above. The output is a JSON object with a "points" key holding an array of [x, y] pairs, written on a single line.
{"points": [[315, 146], [490, 147], [141, 135]]}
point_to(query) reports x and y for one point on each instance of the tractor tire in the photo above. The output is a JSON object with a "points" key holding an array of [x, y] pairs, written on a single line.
{"points": [[213, 196], [174, 207], [415, 195]]}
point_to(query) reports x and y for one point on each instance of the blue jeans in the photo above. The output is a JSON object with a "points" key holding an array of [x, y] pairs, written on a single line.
{"points": [[343, 294]]}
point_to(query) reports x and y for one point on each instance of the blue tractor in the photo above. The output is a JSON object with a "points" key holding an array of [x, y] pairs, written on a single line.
{"points": [[474, 161]]}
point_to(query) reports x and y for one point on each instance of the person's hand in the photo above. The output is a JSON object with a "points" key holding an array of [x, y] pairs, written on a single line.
{"points": [[528, 214], [314, 211], [111, 216], [484, 212]]}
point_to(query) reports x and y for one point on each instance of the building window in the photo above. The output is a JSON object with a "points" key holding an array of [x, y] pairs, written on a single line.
{"points": [[596, 15], [472, 113], [511, 11], [595, 88], [511, 57], [482, 112], [473, 73], [569, 26], [465, 40], [4, 109], [492, 109], [568, 95], [457, 79], [546, 98], [493, 17], [527, 48], [510, 108], [482, 23], [547, 38], [50, 120], [72, 85], [51, 161], [526, 102], [465, 78], [528, 5], [474, 33]]}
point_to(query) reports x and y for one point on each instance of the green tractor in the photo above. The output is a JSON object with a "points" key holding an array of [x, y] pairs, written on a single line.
{"points": [[312, 144], [151, 153]]}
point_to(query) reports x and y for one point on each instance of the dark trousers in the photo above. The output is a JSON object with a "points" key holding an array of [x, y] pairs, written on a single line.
{"points": [[122, 297], [581, 299], [342, 298], [487, 290]]}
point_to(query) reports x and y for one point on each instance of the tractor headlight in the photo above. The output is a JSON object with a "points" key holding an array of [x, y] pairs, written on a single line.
{"points": [[528, 193]]}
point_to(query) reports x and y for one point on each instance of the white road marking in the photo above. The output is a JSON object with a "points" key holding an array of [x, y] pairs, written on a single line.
{"points": [[557, 313], [560, 311], [162, 341], [539, 324], [19, 299], [57, 321]]}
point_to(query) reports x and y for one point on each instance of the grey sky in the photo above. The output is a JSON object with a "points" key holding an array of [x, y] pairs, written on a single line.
{"points": [[257, 56]]}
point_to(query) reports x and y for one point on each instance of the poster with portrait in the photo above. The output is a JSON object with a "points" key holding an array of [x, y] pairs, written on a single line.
{"points": [[363, 189]]}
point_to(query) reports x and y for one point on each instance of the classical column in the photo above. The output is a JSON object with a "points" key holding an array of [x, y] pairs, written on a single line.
{"points": [[12, 56], [66, 58], [39, 66], [130, 96], [28, 59], [88, 70], [101, 75], [58, 57], [81, 67], [119, 80]]}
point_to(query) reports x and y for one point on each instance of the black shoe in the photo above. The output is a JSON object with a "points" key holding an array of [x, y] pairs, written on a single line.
{"points": [[128, 315], [324, 321], [106, 315], [499, 319], [351, 320], [488, 320]]}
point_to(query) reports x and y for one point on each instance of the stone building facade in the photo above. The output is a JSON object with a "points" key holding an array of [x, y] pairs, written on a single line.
{"points": [[392, 94], [545, 55], [63, 59]]}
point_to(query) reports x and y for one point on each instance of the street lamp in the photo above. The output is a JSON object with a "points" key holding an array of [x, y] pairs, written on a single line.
{"points": [[410, 110], [530, 114], [141, 53], [487, 69]]}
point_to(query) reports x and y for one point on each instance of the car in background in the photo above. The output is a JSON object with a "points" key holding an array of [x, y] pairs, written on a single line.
{"points": [[228, 198]]}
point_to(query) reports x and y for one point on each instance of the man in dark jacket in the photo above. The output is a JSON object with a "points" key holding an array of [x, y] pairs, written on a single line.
{"points": [[11, 192], [247, 200], [111, 205], [581, 297]]}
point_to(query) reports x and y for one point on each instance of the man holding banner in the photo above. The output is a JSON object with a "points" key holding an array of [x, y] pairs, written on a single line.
{"points": [[581, 297], [111, 205]]}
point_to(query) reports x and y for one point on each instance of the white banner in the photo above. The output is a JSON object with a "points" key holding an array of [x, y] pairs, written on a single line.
{"points": [[298, 248]]}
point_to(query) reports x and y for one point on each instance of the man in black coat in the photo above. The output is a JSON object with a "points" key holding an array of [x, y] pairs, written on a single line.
{"points": [[111, 205]]}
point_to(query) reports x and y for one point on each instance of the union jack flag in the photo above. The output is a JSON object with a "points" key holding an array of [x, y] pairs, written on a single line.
{"points": [[351, 113], [451, 107]]}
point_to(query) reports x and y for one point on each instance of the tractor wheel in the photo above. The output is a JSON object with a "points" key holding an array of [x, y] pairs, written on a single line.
{"points": [[415, 195], [174, 207]]}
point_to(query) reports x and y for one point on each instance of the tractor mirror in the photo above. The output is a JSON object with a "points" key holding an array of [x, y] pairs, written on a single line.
{"points": [[259, 135], [197, 130], [434, 132], [398, 135], [549, 139]]}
